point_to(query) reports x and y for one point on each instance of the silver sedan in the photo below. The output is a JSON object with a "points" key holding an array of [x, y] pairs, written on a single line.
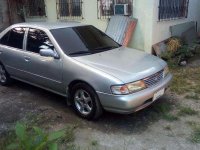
{"points": [[83, 64]]}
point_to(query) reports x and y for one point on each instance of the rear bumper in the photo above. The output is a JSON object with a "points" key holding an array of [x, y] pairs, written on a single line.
{"points": [[126, 104]]}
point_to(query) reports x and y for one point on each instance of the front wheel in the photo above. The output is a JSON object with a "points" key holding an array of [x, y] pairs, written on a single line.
{"points": [[4, 76], [85, 102]]}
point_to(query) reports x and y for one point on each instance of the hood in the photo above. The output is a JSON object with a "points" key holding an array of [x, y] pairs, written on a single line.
{"points": [[126, 64]]}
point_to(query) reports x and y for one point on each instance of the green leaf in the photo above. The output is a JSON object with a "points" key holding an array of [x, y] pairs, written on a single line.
{"points": [[56, 135], [53, 146], [20, 130], [13, 146], [38, 131]]}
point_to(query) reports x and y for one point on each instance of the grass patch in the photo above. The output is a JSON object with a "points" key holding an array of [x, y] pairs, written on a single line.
{"points": [[195, 135], [187, 111], [193, 96], [168, 127], [94, 143], [185, 80], [162, 110], [169, 117]]}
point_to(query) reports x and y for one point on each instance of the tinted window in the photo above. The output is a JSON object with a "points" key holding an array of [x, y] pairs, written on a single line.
{"points": [[16, 38], [4, 39], [83, 39], [38, 40]]}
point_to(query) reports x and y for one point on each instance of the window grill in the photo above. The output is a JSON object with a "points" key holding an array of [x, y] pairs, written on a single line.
{"points": [[173, 9], [69, 9], [35, 8], [106, 7]]}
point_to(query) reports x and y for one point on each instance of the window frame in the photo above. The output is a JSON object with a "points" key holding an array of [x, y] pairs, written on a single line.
{"points": [[69, 17], [163, 16]]}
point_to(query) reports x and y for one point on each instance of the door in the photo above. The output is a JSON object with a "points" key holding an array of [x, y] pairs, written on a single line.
{"points": [[43, 71], [11, 49]]}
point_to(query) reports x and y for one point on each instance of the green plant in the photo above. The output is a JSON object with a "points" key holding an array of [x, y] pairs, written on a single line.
{"points": [[195, 136], [183, 53], [35, 138]]}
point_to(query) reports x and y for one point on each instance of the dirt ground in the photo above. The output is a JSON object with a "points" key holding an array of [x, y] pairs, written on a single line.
{"points": [[147, 129], [112, 131]]}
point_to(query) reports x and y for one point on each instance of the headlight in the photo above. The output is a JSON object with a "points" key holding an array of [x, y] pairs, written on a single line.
{"points": [[136, 86], [128, 88], [166, 71]]}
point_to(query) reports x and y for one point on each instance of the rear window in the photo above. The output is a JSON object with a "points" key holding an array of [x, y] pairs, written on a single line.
{"points": [[84, 39], [4, 39], [14, 38]]}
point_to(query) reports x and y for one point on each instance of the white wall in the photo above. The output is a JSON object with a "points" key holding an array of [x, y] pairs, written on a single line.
{"points": [[142, 10], [89, 13], [148, 30], [161, 29]]}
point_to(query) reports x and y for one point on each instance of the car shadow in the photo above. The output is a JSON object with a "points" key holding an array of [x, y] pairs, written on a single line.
{"points": [[109, 122]]}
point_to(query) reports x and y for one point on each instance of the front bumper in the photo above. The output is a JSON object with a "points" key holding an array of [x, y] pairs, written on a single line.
{"points": [[126, 104]]}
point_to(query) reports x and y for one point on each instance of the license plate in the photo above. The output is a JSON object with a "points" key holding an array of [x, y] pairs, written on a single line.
{"points": [[158, 94]]}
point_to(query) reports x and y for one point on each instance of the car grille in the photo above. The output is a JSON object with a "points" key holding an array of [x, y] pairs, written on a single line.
{"points": [[154, 79]]}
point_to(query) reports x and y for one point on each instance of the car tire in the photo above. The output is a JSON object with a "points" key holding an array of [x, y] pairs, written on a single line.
{"points": [[85, 102], [4, 76]]}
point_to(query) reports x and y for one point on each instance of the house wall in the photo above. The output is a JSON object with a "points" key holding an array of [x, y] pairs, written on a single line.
{"points": [[148, 30], [161, 29]]}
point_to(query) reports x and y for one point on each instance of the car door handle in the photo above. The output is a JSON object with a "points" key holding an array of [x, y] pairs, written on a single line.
{"points": [[27, 59]]}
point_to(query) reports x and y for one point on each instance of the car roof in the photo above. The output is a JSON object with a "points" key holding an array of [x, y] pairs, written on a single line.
{"points": [[49, 25]]}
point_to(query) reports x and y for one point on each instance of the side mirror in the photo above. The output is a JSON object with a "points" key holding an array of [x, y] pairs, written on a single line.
{"points": [[49, 53]]}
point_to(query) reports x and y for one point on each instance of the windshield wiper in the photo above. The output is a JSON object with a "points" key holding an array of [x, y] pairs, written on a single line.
{"points": [[80, 53], [106, 47]]}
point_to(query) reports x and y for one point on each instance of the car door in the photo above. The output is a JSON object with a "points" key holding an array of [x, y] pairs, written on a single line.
{"points": [[43, 71], [11, 52]]}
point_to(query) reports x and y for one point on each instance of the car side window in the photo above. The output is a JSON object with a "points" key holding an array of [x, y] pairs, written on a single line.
{"points": [[37, 40], [4, 39], [16, 38]]}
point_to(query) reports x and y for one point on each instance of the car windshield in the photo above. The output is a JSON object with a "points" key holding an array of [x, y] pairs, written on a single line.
{"points": [[83, 40]]}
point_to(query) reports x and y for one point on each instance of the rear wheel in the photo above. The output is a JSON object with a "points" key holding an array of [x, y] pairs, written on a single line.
{"points": [[85, 102], [4, 76]]}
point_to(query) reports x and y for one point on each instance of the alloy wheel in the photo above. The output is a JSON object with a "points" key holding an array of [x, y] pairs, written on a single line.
{"points": [[83, 102]]}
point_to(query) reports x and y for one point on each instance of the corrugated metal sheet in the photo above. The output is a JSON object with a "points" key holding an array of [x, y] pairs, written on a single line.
{"points": [[120, 28]]}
